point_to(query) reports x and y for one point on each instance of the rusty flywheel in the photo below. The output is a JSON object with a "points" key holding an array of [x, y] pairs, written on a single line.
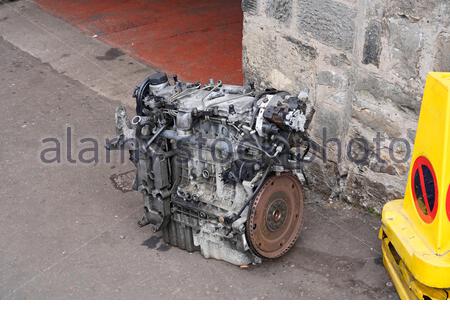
{"points": [[276, 216]]}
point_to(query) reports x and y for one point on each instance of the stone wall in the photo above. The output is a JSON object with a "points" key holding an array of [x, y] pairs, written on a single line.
{"points": [[365, 64]]}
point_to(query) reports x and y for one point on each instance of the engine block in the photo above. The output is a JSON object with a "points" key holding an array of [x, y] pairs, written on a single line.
{"points": [[219, 166]]}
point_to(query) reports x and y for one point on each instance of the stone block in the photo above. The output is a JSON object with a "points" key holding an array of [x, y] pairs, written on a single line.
{"points": [[412, 9], [442, 53], [331, 79], [339, 60], [406, 43], [372, 44], [330, 22], [306, 51], [280, 10], [381, 89]]}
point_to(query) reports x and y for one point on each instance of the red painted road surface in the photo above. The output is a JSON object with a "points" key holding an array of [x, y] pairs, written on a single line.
{"points": [[196, 39]]}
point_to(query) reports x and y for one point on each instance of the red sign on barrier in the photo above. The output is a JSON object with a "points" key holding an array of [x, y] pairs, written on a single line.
{"points": [[424, 189], [448, 203]]}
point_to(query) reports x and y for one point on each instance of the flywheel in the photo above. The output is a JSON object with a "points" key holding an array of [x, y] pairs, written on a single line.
{"points": [[276, 216]]}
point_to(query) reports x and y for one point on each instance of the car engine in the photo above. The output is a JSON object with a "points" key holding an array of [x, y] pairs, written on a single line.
{"points": [[220, 166]]}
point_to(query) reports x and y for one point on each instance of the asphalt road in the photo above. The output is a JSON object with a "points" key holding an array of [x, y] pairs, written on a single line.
{"points": [[68, 230]]}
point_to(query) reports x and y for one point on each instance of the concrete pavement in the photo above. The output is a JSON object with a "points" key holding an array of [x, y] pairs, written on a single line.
{"points": [[68, 231]]}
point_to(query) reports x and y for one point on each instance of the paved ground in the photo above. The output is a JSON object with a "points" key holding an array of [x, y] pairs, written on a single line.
{"points": [[67, 231], [196, 39]]}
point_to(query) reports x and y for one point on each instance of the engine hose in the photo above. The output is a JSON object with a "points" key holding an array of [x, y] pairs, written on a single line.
{"points": [[250, 199], [139, 94], [308, 147], [156, 135]]}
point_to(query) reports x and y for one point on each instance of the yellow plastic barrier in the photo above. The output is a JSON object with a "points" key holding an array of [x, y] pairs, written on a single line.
{"points": [[415, 231]]}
